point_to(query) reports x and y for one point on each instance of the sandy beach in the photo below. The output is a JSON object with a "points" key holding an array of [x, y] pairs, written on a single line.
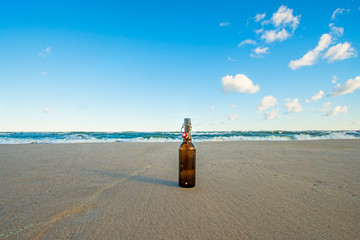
{"points": [[244, 190]]}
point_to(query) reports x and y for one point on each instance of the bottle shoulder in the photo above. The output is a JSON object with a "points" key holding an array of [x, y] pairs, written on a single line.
{"points": [[187, 145]]}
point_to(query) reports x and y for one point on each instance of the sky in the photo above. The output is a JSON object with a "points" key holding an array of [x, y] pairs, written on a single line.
{"points": [[145, 66]]}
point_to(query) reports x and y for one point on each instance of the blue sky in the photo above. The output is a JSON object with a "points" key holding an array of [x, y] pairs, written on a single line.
{"points": [[144, 66]]}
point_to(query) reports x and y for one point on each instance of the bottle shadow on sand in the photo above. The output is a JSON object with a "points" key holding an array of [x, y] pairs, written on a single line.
{"points": [[135, 177]]}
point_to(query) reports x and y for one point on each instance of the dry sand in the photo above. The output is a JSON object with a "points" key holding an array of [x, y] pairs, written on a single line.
{"points": [[245, 190]]}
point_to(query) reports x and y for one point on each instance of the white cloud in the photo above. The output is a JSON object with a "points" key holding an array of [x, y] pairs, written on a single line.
{"points": [[293, 106], [284, 17], [231, 59], [350, 86], [336, 31], [316, 97], [260, 50], [323, 43], [266, 22], [337, 110], [275, 35], [334, 79], [339, 11], [311, 56], [255, 55], [239, 83], [272, 114], [224, 24], [45, 52], [259, 17], [43, 73], [266, 102], [233, 117], [47, 111], [212, 108], [247, 42], [233, 106], [340, 51], [325, 107], [279, 27]]}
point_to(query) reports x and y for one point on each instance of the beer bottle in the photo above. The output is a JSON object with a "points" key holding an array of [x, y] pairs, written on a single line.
{"points": [[187, 157]]}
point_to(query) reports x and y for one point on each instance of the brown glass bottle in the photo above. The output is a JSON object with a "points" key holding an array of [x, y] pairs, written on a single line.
{"points": [[187, 158]]}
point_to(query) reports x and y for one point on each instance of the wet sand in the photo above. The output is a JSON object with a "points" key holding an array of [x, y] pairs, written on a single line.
{"points": [[244, 190]]}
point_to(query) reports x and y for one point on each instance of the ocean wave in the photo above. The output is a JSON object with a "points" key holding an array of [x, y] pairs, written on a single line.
{"points": [[204, 136]]}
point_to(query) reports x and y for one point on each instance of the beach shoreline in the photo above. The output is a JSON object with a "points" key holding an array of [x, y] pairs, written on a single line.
{"points": [[245, 190]]}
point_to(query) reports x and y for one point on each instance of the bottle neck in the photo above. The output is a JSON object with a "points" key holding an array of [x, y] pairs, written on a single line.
{"points": [[188, 139], [187, 130]]}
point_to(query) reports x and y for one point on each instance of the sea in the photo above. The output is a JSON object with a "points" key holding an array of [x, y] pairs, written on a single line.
{"points": [[205, 136]]}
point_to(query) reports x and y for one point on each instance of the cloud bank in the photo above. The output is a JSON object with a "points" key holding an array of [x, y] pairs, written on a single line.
{"points": [[278, 28], [338, 52], [281, 20], [311, 56]]}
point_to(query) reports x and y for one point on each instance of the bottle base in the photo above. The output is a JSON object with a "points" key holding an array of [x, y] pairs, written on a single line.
{"points": [[186, 185]]}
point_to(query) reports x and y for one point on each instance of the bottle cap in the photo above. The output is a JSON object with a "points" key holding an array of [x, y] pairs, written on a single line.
{"points": [[187, 121]]}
